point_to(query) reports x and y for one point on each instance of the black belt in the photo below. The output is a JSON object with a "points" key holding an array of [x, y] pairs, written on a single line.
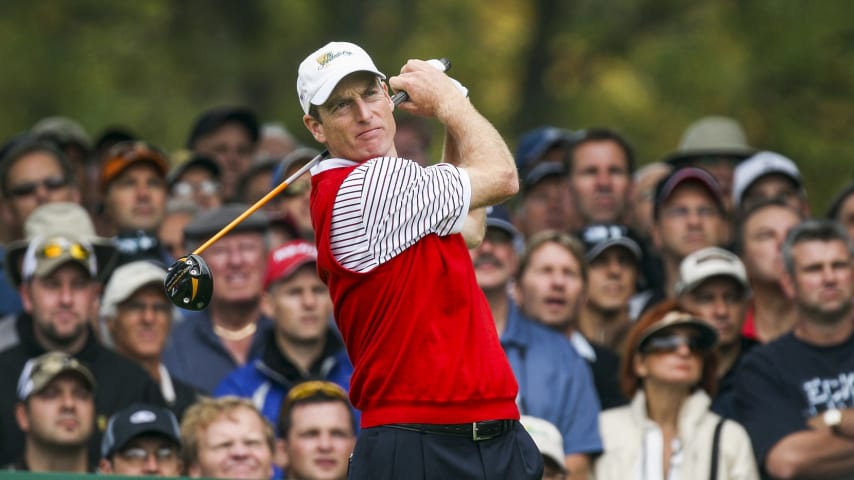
{"points": [[476, 431]]}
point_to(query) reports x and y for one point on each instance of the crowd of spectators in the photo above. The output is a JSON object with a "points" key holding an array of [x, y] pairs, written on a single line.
{"points": [[665, 320]]}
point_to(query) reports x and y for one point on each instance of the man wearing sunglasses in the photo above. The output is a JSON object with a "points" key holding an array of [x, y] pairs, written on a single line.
{"points": [[57, 273]]}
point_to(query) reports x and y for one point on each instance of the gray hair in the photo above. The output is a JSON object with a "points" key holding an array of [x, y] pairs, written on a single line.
{"points": [[813, 230]]}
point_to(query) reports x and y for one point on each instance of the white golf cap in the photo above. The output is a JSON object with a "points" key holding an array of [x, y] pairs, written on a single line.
{"points": [[547, 438], [127, 280], [706, 263], [763, 163], [321, 71]]}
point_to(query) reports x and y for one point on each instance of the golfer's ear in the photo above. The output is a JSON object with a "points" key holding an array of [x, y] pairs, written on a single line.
{"points": [[315, 127]]}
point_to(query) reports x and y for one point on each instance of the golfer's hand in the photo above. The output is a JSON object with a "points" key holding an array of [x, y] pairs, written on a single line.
{"points": [[431, 92]]}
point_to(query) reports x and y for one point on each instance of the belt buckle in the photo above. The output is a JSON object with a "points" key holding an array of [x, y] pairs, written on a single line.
{"points": [[475, 435]]}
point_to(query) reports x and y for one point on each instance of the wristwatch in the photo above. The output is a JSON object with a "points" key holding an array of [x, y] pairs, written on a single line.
{"points": [[832, 417]]}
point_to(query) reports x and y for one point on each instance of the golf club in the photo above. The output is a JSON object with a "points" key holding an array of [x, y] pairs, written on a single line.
{"points": [[189, 283]]}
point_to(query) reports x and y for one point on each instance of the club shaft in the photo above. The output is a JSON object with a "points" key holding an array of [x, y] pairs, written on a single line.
{"points": [[397, 98]]}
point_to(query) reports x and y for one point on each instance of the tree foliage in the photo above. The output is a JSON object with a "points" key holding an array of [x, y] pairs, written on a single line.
{"points": [[645, 67]]}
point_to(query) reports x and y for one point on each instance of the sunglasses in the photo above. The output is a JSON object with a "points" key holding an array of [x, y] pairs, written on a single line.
{"points": [[26, 189], [56, 247], [185, 189], [138, 455], [314, 388], [671, 343]]}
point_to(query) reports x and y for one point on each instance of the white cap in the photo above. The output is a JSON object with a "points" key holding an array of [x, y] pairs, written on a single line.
{"points": [[126, 280], [759, 165], [706, 263], [321, 71], [547, 437]]}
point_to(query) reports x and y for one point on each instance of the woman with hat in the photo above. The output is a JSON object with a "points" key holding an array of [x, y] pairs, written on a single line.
{"points": [[668, 431]]}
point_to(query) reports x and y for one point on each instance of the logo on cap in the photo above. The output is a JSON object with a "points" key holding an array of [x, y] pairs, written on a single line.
{"points": [[324, 59], [143, 416]]}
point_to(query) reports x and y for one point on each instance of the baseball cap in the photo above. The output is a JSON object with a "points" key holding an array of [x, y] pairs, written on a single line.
{"points": [[541, 172], [547, 438], [498, 216], [286, 259], [38, 372], [534, 143], [126, 280], [291, 163], [763, 163], [708, 336], [211, 120], [208, 222], [599, 237], [712, 135], [706, 263], [63, 131], [123, 155], [665, 188], [128, 423], [195, 160], [321, 71], [56, 233]]}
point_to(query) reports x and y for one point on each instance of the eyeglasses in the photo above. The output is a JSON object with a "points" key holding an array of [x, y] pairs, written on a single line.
{"points": [[185, 189], [671, 343], [56, 247], [26, 189], [314, 387], [138, 455]]}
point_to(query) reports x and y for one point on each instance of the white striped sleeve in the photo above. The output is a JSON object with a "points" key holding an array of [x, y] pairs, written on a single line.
{"points": [[387, 204]]}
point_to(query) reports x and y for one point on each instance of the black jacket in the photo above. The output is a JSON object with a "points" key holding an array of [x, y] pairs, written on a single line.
{"points": [[120, 383]]}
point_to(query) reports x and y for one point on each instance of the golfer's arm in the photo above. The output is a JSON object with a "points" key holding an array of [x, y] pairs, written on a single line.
{"points": [[811, 454], [474, 227], [473, 144]]}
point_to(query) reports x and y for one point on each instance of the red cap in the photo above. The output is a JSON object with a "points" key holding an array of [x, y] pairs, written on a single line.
{"points": [[285, 260]]}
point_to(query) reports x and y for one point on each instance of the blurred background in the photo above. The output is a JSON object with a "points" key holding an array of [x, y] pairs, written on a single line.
{"points": [[647, 68]]}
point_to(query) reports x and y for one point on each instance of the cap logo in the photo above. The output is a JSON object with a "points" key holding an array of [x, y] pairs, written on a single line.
{"points": [[326, 58], [143, 416], [292, 250]]}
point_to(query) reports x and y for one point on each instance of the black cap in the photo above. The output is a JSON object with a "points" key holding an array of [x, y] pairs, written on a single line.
{"points": [[197, 160], [208, 222], [498, 216], [665, 188], [599, 237], [541, 172], [213, 119], [138, 419]]}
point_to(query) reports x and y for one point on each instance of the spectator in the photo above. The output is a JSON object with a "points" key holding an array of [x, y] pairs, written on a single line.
{"points": [[72, 140], [196, 179], [794, 394], [545, 202], [768, 175], [230, 136], [716, 144], [668, 431], [318, 432], [613, 258], [57, 273], [138, 316], [230, 332], [644, 181], [689, 215], [549, 441], [33, 172], [179, 213], [600, 167], [293, 217], [413, 137], [275, 143], [841, 208], [228, 438], [56, 412], [713, 285], [142, 440], [133, 184], [255, 183], [302, 344], [551, 287], [762, 228], [554, 382]]}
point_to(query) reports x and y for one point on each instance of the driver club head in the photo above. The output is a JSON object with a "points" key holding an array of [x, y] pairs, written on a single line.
{"points": [[189, 284]]}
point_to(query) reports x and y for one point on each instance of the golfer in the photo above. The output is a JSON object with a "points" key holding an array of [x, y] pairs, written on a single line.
{"points": [[435, 390]]}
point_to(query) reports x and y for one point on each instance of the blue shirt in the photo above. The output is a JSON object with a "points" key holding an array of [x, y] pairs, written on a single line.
{"points": [[555, 383], [196, 355], [10, 301]]}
